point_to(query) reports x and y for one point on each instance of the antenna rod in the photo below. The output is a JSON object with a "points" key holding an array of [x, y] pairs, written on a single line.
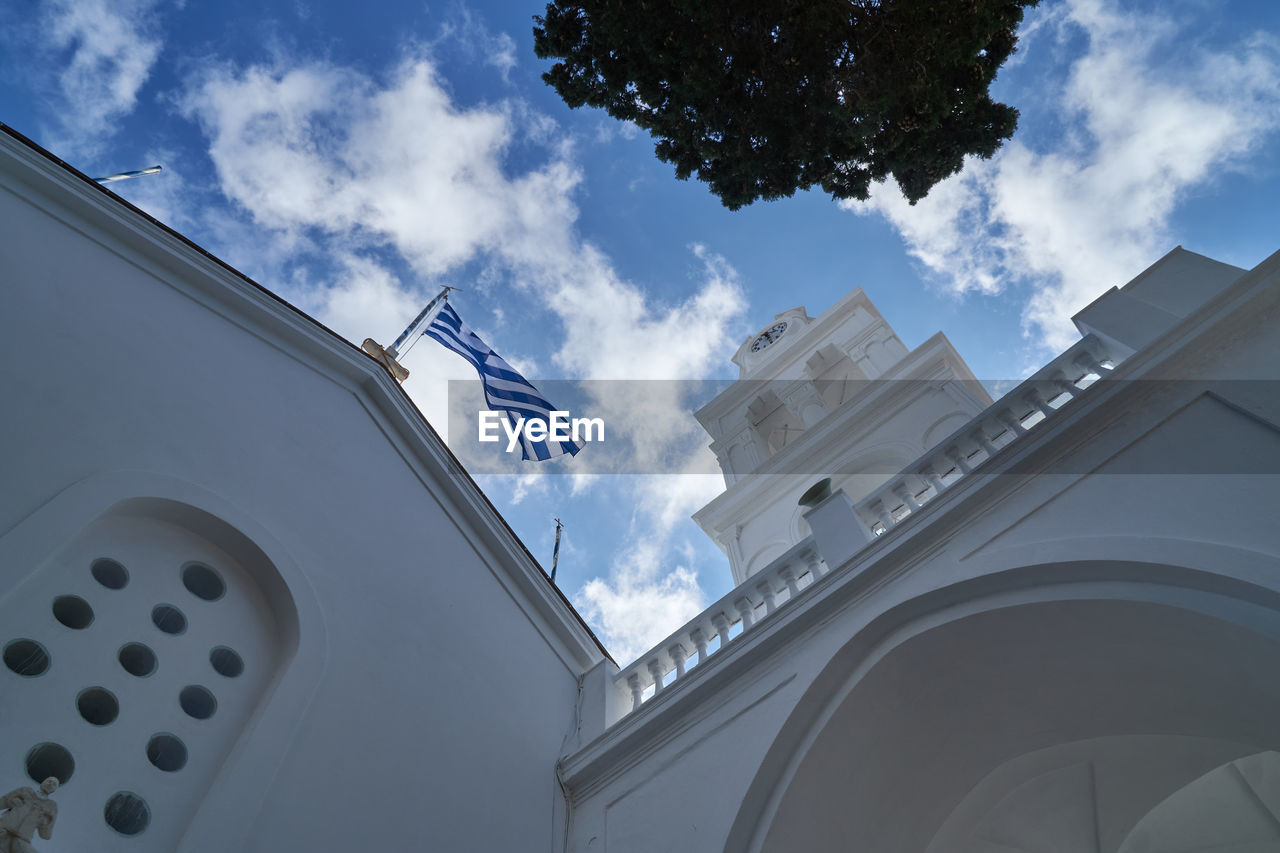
{"points": [[394, 349], [124, 176], [555, 555]]}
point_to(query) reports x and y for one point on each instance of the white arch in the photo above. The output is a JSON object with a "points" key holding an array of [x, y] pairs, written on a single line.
{"points": [[1187, 588]]}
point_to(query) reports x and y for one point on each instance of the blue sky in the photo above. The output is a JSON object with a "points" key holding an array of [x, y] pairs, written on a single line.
{"points": [[354, 161]]}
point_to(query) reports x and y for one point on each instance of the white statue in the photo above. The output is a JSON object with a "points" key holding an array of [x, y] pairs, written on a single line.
{"points": [[27, 811]]}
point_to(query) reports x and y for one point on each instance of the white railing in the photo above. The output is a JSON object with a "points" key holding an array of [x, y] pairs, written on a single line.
{"points": [[1020, 410], [713, 629]]}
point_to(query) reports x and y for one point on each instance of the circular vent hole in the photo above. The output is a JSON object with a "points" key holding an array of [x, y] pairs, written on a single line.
{"points": [[226, 662], [109, 573], [197, 702], [203, 582], [26, 657], [72, 611], [50, 759], [127, 813], [168, 618], [98, 706], [137, 659], [167, 752]]}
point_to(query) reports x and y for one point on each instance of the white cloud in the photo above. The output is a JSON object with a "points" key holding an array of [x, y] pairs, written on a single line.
{"points": [[324, 147], [1147, 120], [112, 47], [468, 31], [325, 156], [642, 602]]}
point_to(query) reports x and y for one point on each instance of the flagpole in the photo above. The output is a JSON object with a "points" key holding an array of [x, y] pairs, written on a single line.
{"points": [[387, 357], [425, 316], [124, 176], [555, 555]]}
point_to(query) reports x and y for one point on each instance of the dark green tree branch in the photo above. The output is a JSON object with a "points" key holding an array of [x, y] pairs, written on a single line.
{"points": [[759, 99]]}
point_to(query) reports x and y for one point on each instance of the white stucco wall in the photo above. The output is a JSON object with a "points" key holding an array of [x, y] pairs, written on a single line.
{"points": [[426, 682]]}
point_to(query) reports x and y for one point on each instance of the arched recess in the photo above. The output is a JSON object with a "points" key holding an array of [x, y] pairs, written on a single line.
{"points": [[871, 468], [941, 428], [260, 607], [765, 555], [937, 694]]}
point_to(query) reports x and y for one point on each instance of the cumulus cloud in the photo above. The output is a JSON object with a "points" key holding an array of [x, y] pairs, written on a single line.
{"points": [[640, 603], [365, 166], [324, 147], [110, 48], [1146, 120], [468, 32]]}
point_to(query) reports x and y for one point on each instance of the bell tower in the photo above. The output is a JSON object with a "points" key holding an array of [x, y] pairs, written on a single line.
{"points": [[837, 395]]}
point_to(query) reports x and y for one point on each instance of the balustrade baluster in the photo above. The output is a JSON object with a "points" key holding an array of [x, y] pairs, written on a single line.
{"points": [[700, 643], [903, 493], [1088, 362], [1065, 385], [678, 656], [788, 576], [815, 565], [745, 610], [766, 592], [1010, 420], [958, 458], [655, 669], [1036, 399], [633, 681], [980, 435], [882, 513], [722, 628], [930, 474]]}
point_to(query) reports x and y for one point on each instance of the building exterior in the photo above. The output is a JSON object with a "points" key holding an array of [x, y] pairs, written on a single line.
{"points": [[249, 601]]}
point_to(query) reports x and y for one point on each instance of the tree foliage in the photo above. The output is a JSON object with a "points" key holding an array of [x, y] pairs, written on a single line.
{"points": [[760, 98]]}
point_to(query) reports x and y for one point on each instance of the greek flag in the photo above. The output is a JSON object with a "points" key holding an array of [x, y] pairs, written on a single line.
{"points": [[504, 389]]}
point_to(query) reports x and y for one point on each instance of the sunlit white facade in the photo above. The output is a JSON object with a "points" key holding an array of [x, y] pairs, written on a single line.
{"points": [[249, 600]]}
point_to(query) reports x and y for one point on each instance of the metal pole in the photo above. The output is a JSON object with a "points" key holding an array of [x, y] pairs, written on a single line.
{"points": [[124, 176], [421, 319], [555, 555]]}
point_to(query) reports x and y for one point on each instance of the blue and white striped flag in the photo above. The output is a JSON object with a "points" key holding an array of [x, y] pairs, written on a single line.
{"points": [[504, 389]]}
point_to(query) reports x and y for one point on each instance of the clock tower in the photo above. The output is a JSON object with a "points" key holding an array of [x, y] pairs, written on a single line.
{"points": [[837, 395]]}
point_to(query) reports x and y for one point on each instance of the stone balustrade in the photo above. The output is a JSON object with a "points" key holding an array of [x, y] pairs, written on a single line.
{"points": [[1025, 407], [717, 626], [1022, 409]]}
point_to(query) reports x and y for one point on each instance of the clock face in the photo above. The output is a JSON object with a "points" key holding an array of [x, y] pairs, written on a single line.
{"points": [[768, 336]]}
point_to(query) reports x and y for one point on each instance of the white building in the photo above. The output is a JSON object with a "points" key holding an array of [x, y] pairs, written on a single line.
{"points": [[249, 601]]}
